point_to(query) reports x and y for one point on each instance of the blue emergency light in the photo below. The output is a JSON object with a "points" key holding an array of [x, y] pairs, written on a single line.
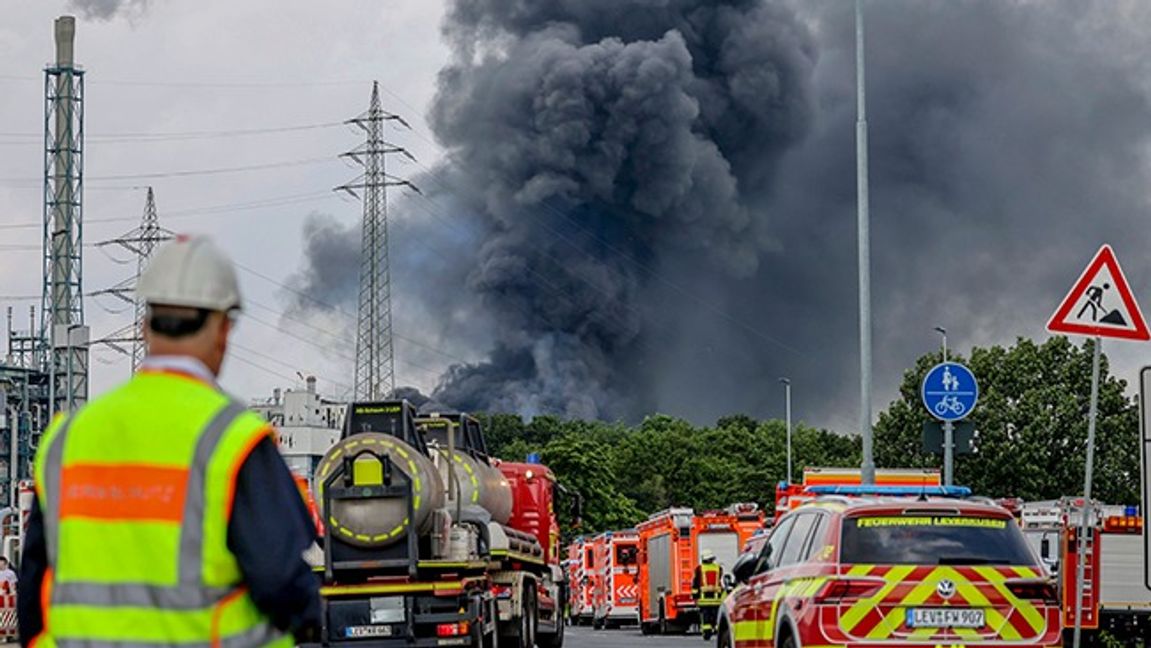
{"points": [[894, 491]]}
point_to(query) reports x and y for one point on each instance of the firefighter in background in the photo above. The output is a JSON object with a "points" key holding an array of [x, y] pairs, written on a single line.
{"points": [[707, 590]]}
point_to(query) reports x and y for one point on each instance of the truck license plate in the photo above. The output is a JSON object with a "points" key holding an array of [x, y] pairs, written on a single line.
{"points": [[355, 632], [944, 618]]}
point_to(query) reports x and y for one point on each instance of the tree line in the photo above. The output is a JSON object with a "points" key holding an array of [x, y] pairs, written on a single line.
{"points": [[1031, 428]]}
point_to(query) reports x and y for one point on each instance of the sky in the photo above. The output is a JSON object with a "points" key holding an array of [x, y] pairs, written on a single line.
{"points": [[211, 66], [629, 206]]}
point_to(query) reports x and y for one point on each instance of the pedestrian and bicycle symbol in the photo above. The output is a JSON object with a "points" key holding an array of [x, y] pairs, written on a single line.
{"points": [[1100, 303], [949, 391]]}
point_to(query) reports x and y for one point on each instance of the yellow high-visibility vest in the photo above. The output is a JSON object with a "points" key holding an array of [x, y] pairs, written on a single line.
{"points": [[710, 585], [136, 490]]}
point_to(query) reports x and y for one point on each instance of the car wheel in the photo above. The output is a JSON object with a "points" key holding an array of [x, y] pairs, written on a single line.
{"points": [[724, 639], [788, 642]]}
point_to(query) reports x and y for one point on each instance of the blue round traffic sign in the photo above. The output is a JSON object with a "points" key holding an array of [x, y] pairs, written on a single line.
{"points": [[949, 391]]}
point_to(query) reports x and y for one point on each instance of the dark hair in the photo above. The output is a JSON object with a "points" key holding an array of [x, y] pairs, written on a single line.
{"points": [[175, 322]]}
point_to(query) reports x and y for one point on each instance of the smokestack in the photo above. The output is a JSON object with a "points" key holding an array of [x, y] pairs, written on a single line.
{"points": [[65, 39], [311, 384]]}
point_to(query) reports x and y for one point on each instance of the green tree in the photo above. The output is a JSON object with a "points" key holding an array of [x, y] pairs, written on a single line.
{"points": [[582, 464], [1031, 424]]}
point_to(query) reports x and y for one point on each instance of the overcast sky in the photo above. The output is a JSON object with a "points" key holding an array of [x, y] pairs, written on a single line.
{"points": [[1009, 140], [176, 67]]}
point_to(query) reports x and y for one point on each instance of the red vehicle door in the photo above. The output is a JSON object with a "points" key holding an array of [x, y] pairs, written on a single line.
{"points": [[754, 601], [786, 581]]}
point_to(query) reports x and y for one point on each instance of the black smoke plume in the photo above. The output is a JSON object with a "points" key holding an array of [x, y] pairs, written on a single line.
{"points": [[609, 139], [658, 196]]}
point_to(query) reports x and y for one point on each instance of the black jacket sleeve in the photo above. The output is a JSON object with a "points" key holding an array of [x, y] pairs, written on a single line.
{"points": [[33, 565], [268, 532]]}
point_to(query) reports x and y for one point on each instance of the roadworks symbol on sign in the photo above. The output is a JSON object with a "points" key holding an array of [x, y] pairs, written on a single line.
{"points": [[1100, 303]]}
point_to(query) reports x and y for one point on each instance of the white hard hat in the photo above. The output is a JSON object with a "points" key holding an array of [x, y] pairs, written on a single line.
{"points": [[190, 271], [707, 555]]}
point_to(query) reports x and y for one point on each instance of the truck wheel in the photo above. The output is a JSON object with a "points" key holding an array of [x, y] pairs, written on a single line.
{"points": [[596, 624], [525, 636], [492, 639], [549, 640]]}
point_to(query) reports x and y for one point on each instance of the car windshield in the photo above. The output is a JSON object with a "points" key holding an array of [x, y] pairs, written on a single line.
{"points": [[933, 540]]}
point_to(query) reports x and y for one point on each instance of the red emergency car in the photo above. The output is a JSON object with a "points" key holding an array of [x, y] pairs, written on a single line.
{"points": [[882, 571]]}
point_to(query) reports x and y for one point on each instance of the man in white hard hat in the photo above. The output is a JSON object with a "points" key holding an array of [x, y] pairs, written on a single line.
{"points": [[164, 513], [707, 590]]}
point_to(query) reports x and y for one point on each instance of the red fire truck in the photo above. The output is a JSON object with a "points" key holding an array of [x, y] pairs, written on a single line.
{"points": [[617, 578], [670, 544], [1114, 599], [792, 496]]}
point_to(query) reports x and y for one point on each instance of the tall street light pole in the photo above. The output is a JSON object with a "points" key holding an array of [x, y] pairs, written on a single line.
{"points": [[787, 398], [948, 429], [868, 465]]}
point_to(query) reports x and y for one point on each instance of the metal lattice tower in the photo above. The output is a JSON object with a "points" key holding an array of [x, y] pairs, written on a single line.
{"points": [[62, 308], [375, 361], [141, 242]]}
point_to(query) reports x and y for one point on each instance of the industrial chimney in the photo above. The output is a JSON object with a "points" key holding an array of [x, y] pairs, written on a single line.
{"points": [[65, 39]]}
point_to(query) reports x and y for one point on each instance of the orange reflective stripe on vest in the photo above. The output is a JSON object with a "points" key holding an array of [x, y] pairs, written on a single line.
{"points": [[123, 492]]}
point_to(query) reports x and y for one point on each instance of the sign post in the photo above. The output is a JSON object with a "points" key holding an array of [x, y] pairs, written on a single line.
{"points": [[949, 393], [1145, 447], [1100, 305]]}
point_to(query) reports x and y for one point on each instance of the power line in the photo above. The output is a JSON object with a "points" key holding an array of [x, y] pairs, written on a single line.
{"points": [[162, 136], [209, 210], [208, 84], [193, 172]]}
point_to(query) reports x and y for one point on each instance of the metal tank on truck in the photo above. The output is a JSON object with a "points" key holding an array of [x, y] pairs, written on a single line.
{"points": [[421, 541]]}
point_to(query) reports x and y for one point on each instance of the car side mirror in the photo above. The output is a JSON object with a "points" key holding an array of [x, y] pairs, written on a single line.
{"points": [[744, 567], [1045, 549], [728, 582]]}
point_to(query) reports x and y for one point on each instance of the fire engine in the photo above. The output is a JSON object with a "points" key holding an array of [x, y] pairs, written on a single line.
{"points": [[1113, 596], [617, 578], [791, 496], [670, 544]]}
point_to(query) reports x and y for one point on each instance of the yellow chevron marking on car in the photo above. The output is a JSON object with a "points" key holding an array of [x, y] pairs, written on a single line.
{"points": [[860, 570], [1027, 610], [848, 620], [964, 588], [801, 587], [974, 597], [1026, 572], [744, 631], [891, 622], [923, 633]]}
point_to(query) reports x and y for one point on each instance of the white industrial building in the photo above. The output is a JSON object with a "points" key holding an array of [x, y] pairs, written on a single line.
{"points": [[307, 423]]}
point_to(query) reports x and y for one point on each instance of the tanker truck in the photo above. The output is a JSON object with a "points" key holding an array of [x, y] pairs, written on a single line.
{"points": [[428, 541]]}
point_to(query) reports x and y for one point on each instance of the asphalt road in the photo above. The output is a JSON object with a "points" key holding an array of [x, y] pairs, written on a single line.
{"points": [[629, 637]]}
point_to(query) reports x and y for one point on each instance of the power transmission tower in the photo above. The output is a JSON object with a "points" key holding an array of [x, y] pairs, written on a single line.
{"points": [[141, 242], [375, 362], [62, 308]]}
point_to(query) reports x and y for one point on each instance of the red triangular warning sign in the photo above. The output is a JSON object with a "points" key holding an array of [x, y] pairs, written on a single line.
{"points": [[1100, 303]]}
